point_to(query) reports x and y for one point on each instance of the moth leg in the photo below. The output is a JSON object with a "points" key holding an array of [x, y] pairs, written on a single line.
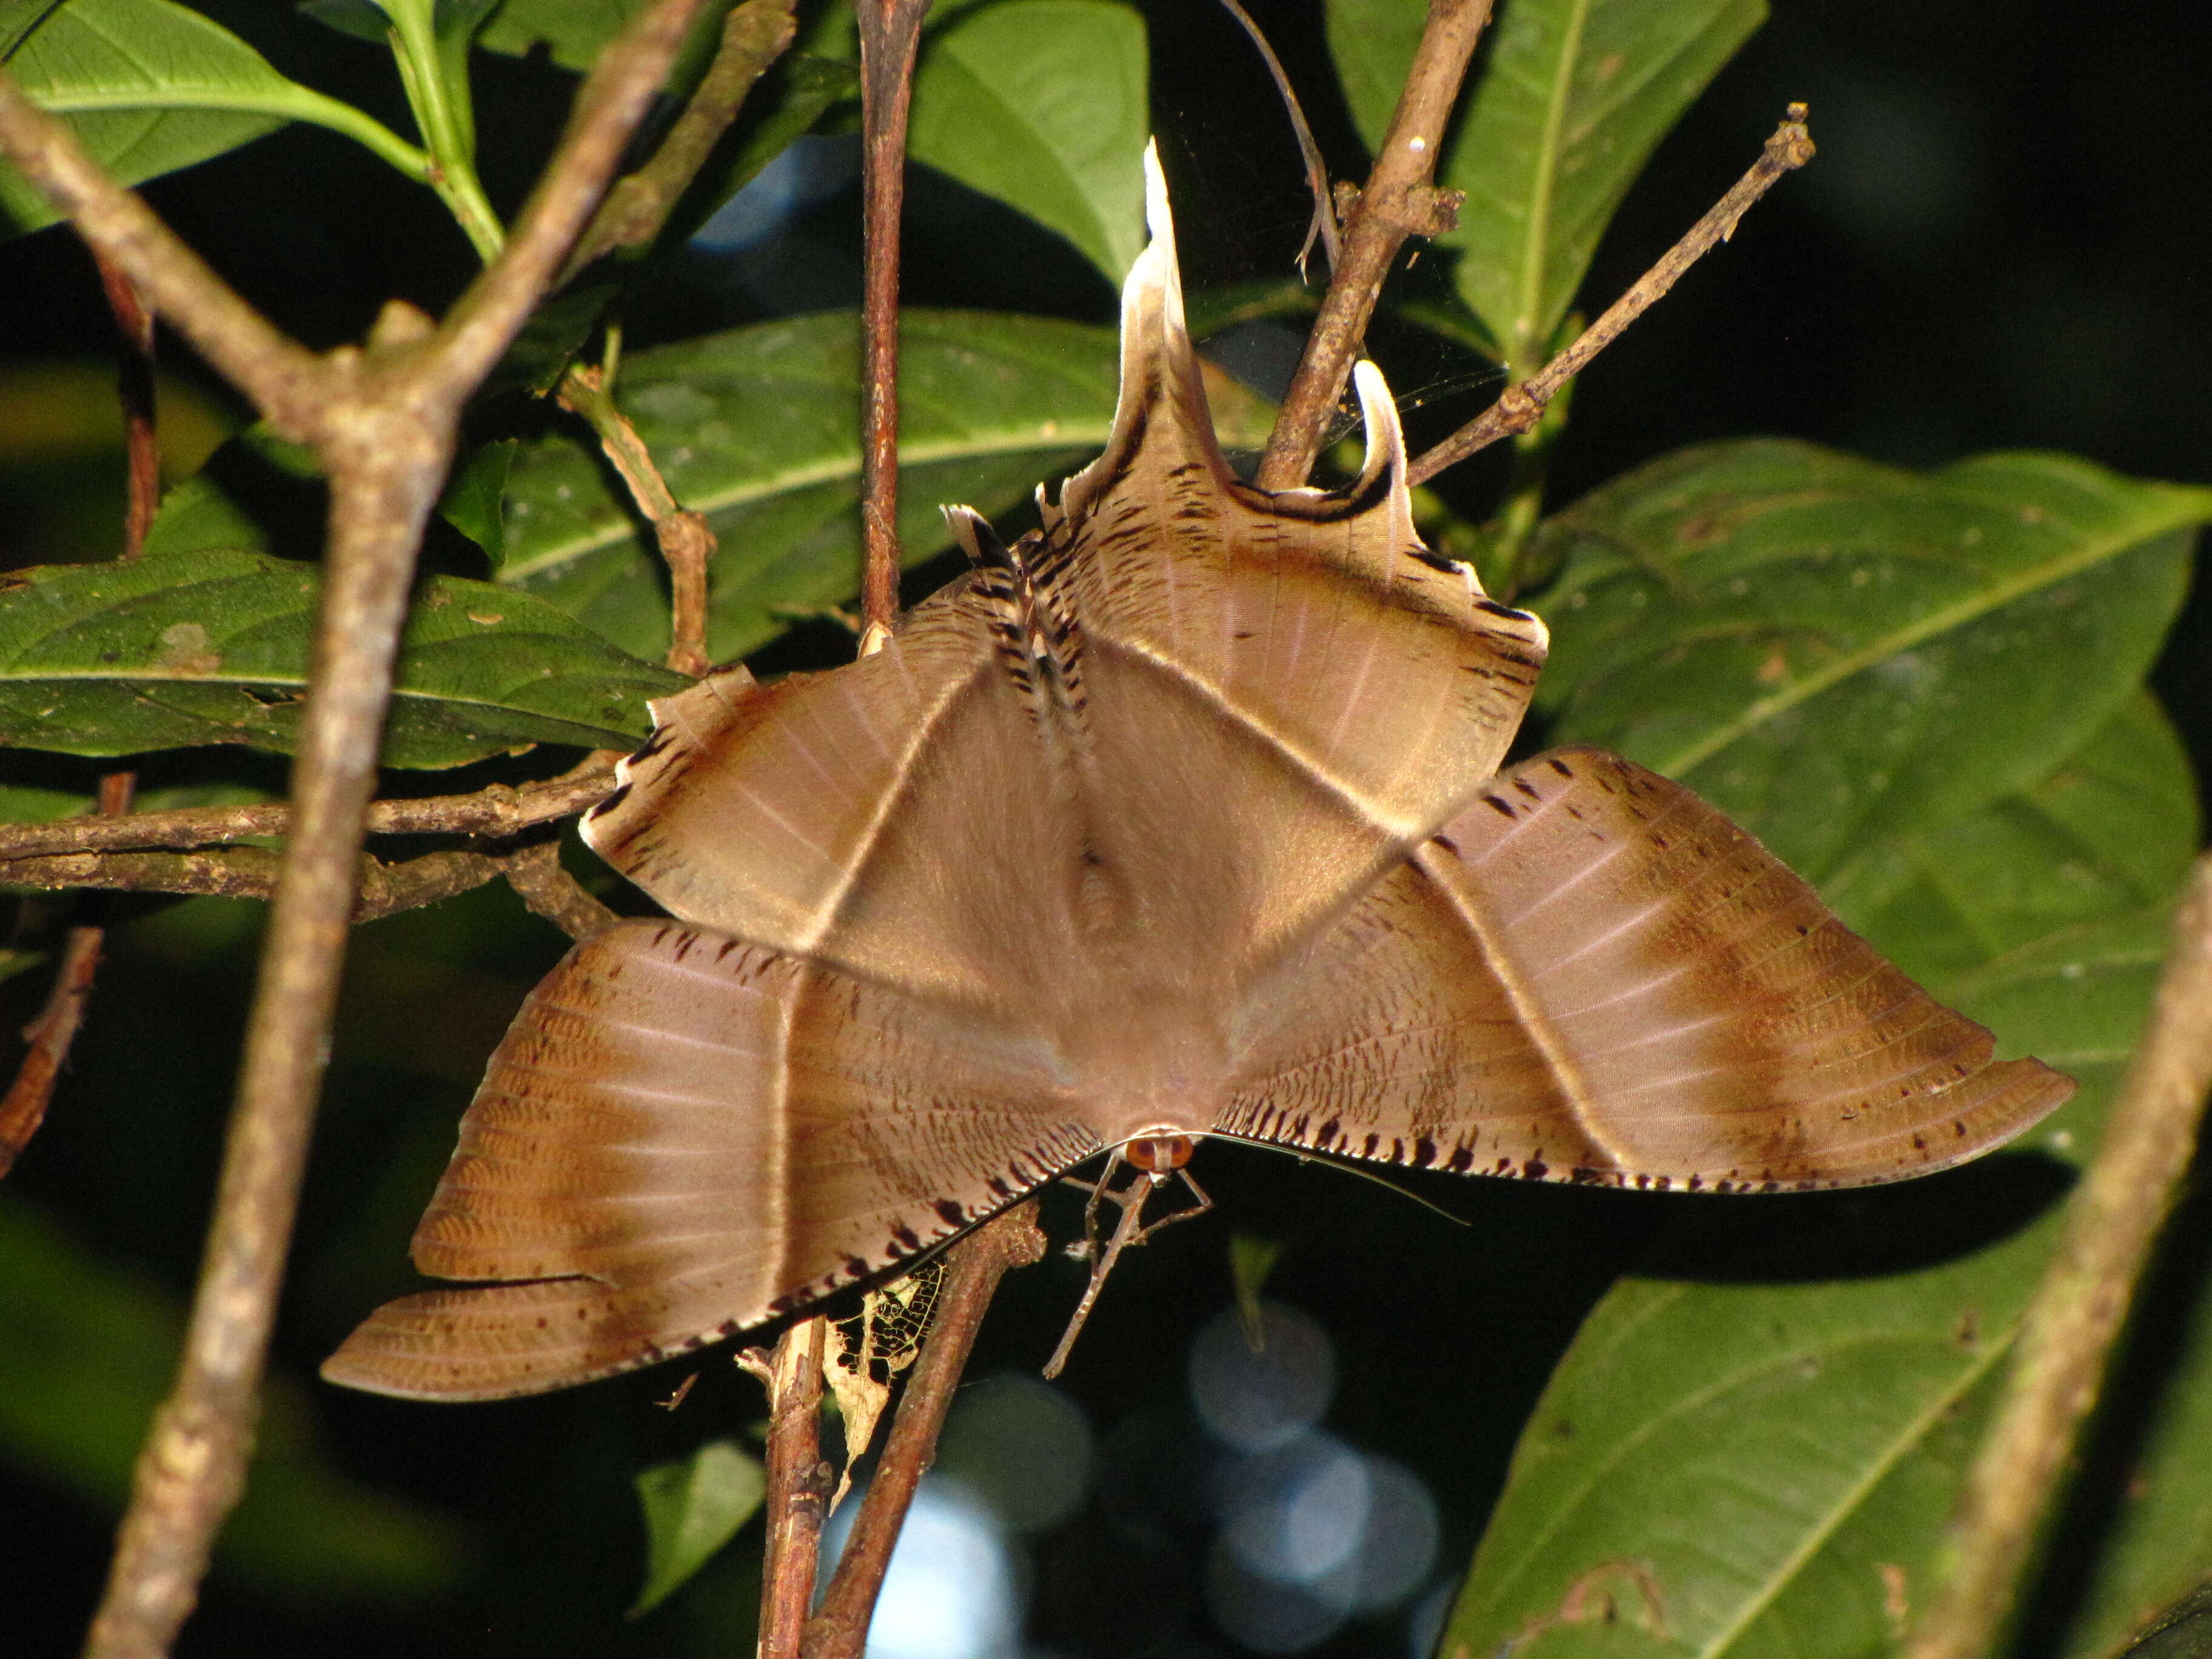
{"points": [[1088, 1250], [1202, 1204], [1131, 1198]]}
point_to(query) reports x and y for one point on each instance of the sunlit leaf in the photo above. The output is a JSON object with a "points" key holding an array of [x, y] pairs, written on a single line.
{"points": [[756, 428], [2111, 829], [151, 86], [1835, 652], [1575, 96], [212, 647], [1043, 103], [1754, 1444], [2183, 1631], [573, 31], [693, 1506]]}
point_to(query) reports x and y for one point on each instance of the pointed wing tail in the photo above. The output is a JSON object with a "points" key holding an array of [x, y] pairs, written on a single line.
{"points": [[1592, 976], [683, 1136]]}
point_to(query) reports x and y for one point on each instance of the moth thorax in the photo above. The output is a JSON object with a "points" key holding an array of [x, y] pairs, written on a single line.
{"points": [[1158, 1153]]}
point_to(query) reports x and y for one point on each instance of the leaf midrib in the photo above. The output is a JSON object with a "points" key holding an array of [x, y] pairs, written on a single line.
{"points": [[288, 682], [1087, 435], [1914, 1431], [2185, 507], [1815, 1538], [1540, 198]]}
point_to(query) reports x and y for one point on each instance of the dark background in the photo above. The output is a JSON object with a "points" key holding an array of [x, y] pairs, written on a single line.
{"points": [[2004, 243]]}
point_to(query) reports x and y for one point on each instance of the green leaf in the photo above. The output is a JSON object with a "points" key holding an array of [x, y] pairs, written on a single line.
{"points": [[757, 429], [212, 647], [257, 491], [1373, 43], [1044, 104], [358, 20], [2183, 1631], [1754, 1442], [1837, 652], [151, 86], [475, 499], [2111, 829], [1751, 1447], [90, 1350], [1575, 96], [572, 31], [693, 1506]]}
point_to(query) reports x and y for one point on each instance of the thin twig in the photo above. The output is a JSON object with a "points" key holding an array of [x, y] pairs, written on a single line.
{"points": [[754, 35], [536, 873], [1400, 200], [382, 420], [134, 375], [974, 1268], [890, 30], [2058, 1364], [1323, 226], [495, 810], [1520, 407], [251, 872], [687, 542], [50, 1035], [228, 872], [799, 1484]]}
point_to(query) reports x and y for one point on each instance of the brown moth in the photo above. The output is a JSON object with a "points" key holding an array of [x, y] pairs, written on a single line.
{"points": [[1181, 817]]}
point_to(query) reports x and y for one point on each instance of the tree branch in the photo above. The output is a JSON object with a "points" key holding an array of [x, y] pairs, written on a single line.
{"points": [[251, 872], [134, 375], [891, 32], [1400, 200], [1520, 408], [49, 1036], [2059, 1362], [754, 35], [686, 541], [383, 421], [974, 1268], [498, 810], [536, 873], [798, 1484]]}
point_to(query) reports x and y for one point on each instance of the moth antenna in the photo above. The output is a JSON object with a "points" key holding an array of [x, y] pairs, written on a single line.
{"points": [[1323, 226], [1385, 1183]]}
